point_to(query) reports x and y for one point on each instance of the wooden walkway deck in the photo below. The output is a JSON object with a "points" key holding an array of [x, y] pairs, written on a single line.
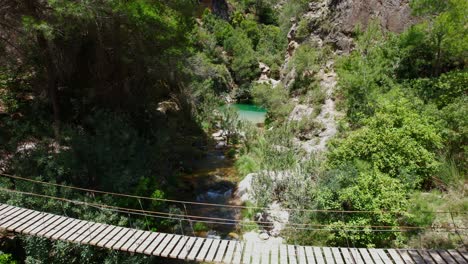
{"points": [[30, 222]]}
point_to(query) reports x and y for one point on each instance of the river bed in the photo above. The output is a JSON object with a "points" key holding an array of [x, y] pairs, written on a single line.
{"points": [[214, 180]]}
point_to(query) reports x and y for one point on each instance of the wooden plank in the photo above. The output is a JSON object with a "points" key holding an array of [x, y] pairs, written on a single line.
{"points": [[108, 237], [257, 252], [230, 251], [456, 255], [292, 254], [328, 255], [125, 239], [118, 237], [12, 215], [69, 228], [365, 255], [164, 243], [347, 256], [356, 256], [8, 213], [95, 238], [274, 259], [147, 242], [32, 223], [154, 244], [3, 206], [395, 256], [266, 253], [87, 235], [171, 246], [213, 250], [301, 256], [416, 257], [129, 239], [446, 256], [39, 224], [43, 224], [195, 249], [425, 255], [222, 248], [180, 245], [28, 220], [60, 228], [187, 247], [383, 256], [438, 259], [337, 254], [82, 225], [247, 252], [464, 254], [7, 208], [283, 250], [204, 250], [139, 240], [405, 256], [375, 255], [77, 230], [318, 255], [23, 220], [54, 227], [238, 251], [310, 255]]}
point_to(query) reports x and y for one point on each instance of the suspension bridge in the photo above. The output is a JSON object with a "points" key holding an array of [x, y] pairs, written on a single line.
{"points": [[190, 248], [56, 227]]}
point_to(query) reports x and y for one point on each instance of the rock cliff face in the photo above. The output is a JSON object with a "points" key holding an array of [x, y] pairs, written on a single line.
{"points": [[394, 15], [220, 8], [334, 21]]}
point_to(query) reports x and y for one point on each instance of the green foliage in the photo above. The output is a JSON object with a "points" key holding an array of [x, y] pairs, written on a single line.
{"points": [[303, 30], [6, 259], [442, 90], [246, 164], [200, 227], [396, 140], [454, 130], [244, 63], [270, 48], [291, 10], [361, 188], [275, 100], [366, 73], [307, 61], [442, 38]]}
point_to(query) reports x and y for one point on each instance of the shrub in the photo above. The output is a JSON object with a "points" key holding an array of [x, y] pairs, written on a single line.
{"points": [[200, 227], [303, 30], [396, 140], [275, 100]]}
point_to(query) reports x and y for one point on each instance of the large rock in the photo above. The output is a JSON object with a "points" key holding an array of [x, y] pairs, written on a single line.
{"points": [[244, 188], [278, 217]]}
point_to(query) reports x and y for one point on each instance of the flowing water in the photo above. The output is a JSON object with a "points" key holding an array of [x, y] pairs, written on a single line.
{"points": [[214, 179]]}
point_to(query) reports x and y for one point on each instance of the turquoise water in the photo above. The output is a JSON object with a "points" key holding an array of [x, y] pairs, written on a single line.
{"points": [[250, 113]]}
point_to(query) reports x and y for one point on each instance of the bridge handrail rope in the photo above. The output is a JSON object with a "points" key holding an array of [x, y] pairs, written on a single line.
{"points": [[239, 222], [213, 204]]}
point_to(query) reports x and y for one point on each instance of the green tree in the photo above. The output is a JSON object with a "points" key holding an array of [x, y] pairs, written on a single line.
{"points": [[446, 31]]}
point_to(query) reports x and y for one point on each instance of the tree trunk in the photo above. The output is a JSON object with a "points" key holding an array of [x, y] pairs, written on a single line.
{"points": [[50, 68], [52, 90], [437, 61]]}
